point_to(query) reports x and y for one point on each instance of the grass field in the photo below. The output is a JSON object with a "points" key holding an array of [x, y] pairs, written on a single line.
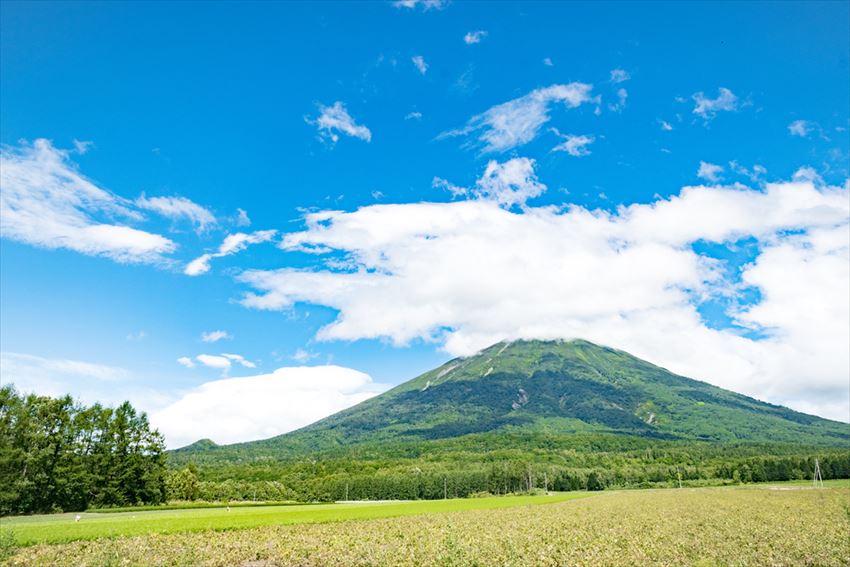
{"points": [[59, 528], [702, 526]]}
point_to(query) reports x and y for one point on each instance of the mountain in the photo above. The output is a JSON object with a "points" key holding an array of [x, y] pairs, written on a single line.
{"points": [[550, 387]]}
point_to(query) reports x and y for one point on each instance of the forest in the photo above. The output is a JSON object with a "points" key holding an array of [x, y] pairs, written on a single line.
{"points": [[59, 455]]}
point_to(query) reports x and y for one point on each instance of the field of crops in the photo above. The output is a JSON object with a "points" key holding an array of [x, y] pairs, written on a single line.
{"points": [[61, 528], [708, 526]]}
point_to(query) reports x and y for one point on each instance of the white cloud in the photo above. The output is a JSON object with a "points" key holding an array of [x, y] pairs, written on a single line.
{"points": [[709, 171], [622, 95], [223, 361], [474, 37], [708, 108], [215, 336], [88, 382], [666, 126], [548, 62], [82, 146], [509, 183], [755, 174], [302, 356], [415, 115], [335, 119], [257, 407], [242, 218], [46, 202], [240, 359], [419, 63], [468, 274], [137, 336], [619, 76], [801, 128], [232, 244], [574, 145], [177, 207], [517, 122], [424, 4]]}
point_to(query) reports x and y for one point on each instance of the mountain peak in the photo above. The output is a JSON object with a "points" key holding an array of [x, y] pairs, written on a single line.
{"points": [[563, 387]]}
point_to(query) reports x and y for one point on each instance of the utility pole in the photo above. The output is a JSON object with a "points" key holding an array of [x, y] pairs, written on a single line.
{"points": [[346, 491], [679, 474], [546, 482], [817, 478]]}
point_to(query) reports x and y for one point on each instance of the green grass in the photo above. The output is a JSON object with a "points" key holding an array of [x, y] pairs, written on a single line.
{"points": [[706, 527], [60, 528]]}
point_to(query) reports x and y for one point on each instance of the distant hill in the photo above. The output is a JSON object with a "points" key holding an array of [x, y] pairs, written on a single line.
{"points": [[548, 388]]}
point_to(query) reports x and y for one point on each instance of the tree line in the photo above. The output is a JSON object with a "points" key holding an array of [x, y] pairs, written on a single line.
{"points": [[59, 455], [314, 481]]}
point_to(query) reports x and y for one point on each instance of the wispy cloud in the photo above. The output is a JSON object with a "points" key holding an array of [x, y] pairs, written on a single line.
{"points": [[415, 115], [574, 145], [335, 119], [726, 101], [420, 64], [474, 37], [509, 183], [232, 244], [215, 336], [425, 5], [803, 128], [176, 208], [622, 95], [223, 361], [45, 201], [619, 76], [517, 122], [709, 171]]}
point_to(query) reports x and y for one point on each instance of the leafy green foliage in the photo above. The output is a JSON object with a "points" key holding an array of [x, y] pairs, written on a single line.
{"points": [[58, 455]]}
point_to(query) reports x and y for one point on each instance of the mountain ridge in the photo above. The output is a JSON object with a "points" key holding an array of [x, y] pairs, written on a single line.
{"points": [[559, 386]]}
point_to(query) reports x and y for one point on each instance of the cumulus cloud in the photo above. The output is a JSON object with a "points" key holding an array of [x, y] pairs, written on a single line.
{"points": [[709, 171], [232, 244], [176, 208], [335, 119], [666, 126], [470, 273], [726, 101], [420, 64], [517, 122], [214, 336], [474, 37], [574, 145], [258, 407], [45, 201], [186, 361], [548, 62], [415, 115]]}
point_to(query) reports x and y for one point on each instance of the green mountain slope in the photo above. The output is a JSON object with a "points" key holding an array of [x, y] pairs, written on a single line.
{"points": [[550, 388]]}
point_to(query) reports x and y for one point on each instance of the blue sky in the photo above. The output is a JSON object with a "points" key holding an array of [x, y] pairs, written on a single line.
{"points": [[582, 107]]}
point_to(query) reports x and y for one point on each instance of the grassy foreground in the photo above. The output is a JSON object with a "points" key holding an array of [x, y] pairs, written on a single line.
{"points": [[706, 526], [61, 528]]}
